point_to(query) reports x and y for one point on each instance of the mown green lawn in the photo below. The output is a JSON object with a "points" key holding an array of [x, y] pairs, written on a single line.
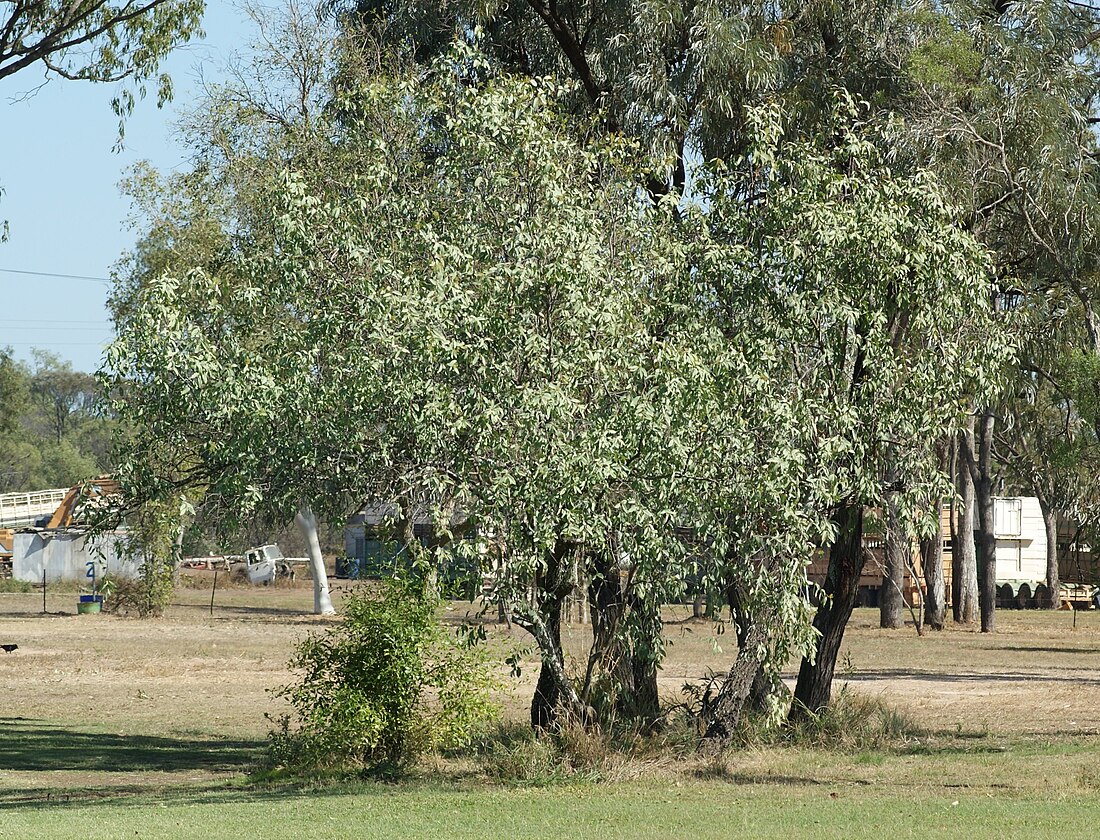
{"points": [[635, 810], [122, 729], [974, 786]]}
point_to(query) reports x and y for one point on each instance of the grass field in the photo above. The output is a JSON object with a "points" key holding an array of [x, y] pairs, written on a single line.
{"points": [[121, 728]]}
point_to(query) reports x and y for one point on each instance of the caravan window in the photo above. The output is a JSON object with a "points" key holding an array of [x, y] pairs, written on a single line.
{"points": [[1007, 517]]}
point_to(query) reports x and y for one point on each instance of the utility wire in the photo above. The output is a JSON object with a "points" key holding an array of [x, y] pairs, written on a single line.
{"points": [[104, 280], [59, 321], [46, 345], [49, 328]]}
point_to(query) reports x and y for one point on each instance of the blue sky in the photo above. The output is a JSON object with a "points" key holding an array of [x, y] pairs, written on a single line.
{"points": [[60, 173]]}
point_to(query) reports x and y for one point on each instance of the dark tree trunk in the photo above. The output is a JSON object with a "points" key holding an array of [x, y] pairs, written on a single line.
{"points": [[725, 713], [931, 556], [813, 690], [548, 690], [624, 643], [891, 593], [1054, 584], [964, 557], [981, 469], [642, 704], [554, 690], [610, 653]]}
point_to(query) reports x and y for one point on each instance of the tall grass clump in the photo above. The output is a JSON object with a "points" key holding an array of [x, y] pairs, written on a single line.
{"points": [[854, 722]]}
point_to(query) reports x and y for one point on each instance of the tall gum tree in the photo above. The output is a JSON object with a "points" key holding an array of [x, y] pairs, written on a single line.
{"points": [[388, 313], [682, 78], [871, 285], [1002, 105]]}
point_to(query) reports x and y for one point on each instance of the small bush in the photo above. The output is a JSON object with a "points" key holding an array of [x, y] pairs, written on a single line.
{"points": [[13, 585], [145, 596], [150, 544], [381, 688]]}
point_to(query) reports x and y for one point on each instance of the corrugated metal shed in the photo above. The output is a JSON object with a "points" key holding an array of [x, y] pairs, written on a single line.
{"points": [[67, 554]]}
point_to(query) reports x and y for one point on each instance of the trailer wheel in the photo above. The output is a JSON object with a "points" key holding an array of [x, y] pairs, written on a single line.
{"points": [[1023, 597], [1043, 600]]}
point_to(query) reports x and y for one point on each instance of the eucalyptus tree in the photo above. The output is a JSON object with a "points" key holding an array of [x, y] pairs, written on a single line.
{"points": [[196, 221], [868, 287], [1044, 454], [1002, 106], [98, 41], [682, 78], [432, 295]]}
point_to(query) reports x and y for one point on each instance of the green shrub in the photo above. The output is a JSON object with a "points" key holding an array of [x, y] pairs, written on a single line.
{"points": [[381, 688], [13, 585]]}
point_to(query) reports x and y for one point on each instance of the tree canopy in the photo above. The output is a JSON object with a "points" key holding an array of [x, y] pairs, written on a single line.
{"points": [[422, 284], [97, 40]]}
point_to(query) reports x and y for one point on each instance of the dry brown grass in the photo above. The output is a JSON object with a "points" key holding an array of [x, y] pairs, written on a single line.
{"points": [[193, 671], [193, 675]]}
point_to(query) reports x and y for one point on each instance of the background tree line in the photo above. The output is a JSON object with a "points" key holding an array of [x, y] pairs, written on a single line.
{"points": [[56, 429]]}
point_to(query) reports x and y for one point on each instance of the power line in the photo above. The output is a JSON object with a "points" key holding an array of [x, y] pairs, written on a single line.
{"points": [[50, 328], [106, 281], [59, 321], [48, 344]]}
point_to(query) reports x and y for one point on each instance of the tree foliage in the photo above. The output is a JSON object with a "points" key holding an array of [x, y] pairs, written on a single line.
{"points": [[98, 40], [622, 296], [54, 432]]}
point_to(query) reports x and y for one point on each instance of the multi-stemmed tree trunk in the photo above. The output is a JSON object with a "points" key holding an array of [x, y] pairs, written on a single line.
{"points": [[980, 465], [891, 594], [307, 524], [846, 559], [607, 603], [964, 562], [554, 692], [624, 636]]}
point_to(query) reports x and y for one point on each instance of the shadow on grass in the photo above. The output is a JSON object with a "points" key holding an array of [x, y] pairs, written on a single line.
{"points": [[718, 773], [31, 745], [280, 615], [875, 674], [954, 748], [208, 792]]}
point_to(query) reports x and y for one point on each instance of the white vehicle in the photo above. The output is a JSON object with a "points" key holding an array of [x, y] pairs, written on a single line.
{"points": [[265, 563]]}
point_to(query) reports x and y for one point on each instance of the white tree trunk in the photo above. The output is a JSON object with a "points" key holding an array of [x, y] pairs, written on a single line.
{"points": [[307, 523]]}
